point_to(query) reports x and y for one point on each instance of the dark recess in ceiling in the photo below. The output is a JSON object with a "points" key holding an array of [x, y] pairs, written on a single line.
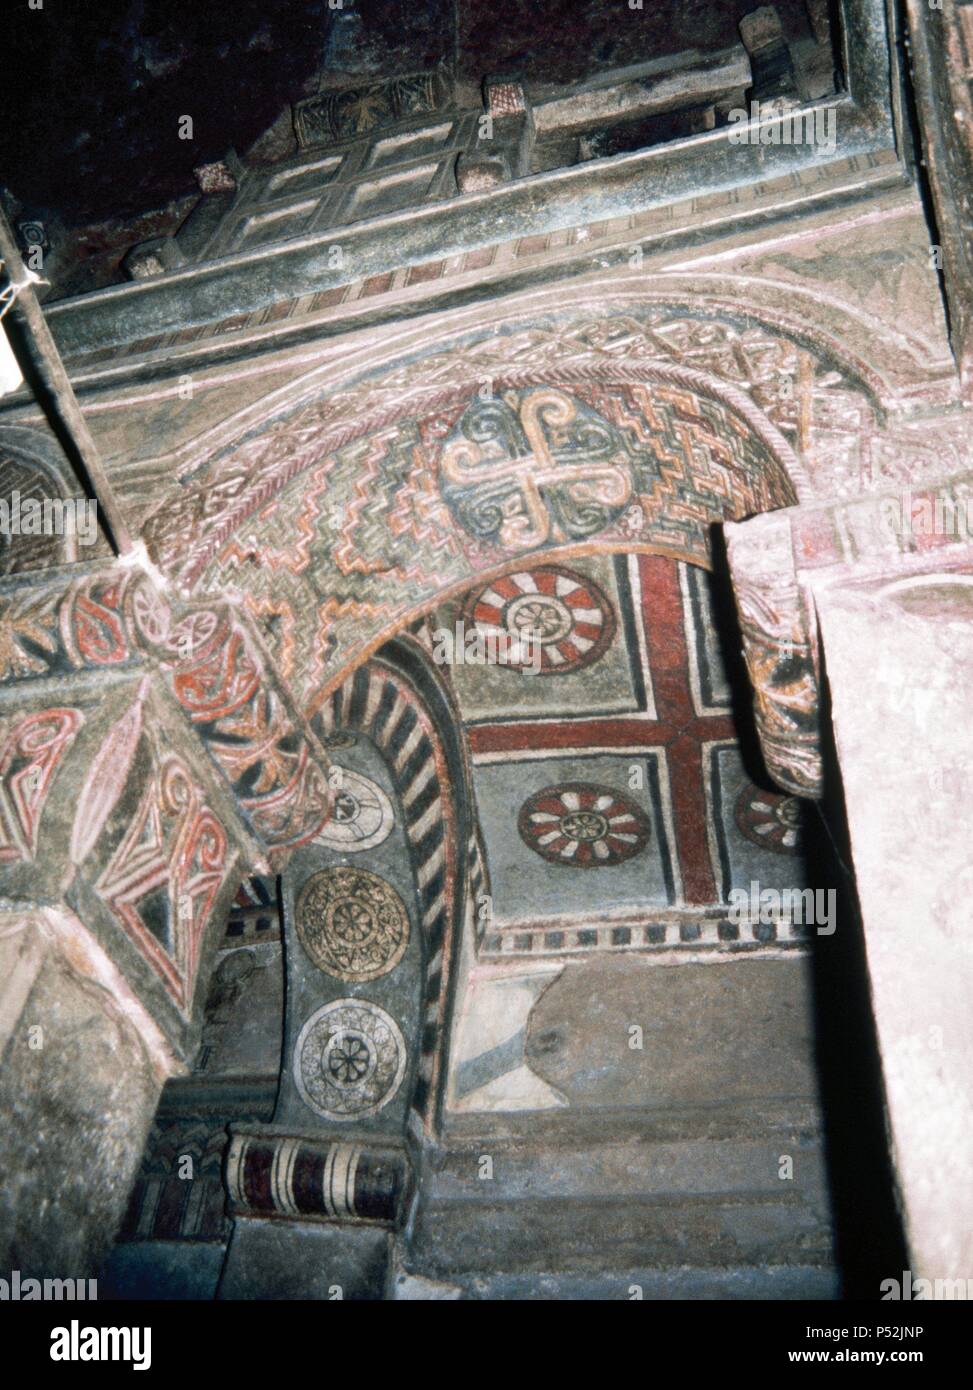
{"points": [[94, 91]]}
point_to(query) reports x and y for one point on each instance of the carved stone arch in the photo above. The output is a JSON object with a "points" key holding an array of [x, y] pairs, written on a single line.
{"points": [[568, 322], [251, 480], [34, 470], [335, 542], [323, 506], [398, 701]]}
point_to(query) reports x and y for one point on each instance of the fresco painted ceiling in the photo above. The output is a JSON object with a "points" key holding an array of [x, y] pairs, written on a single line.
{"points": [[618, 786]]}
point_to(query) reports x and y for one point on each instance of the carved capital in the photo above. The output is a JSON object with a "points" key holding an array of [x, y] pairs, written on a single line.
{"points": [[211, 659], [778, 646]]}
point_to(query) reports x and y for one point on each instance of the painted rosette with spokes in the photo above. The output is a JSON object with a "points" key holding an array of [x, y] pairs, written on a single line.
{"points": [[770, 820], [564, 613], [583, 825]]}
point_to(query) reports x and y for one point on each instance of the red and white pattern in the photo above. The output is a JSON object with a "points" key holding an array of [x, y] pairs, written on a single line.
{"points": [[770, 820], [173, 846], [565, 612], [584, 825], [675, 729], [31, 747]]}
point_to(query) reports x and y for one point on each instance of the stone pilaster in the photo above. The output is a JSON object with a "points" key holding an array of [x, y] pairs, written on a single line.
{"points": [[898, 647]]}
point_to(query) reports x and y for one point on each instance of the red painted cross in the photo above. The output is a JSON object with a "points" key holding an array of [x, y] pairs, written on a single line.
{"points": [[677, 728]]}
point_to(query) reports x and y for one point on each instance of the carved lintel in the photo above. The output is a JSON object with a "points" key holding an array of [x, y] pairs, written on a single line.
{"points": [[269, 1173]]}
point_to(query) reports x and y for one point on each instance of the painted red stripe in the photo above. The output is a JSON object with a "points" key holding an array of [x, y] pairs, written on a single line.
{"points": [[689, 814], [588, 733], [545, 581], [505, 587], [678, 728], [579, 598], [665, 639]]}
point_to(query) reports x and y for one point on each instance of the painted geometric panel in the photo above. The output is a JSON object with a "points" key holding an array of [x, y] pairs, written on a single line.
{"points": [[165, 853], [361, 816], [533, 467], [757, 834], [352, 924], [527, 884], [583, 825], [349, 1059], [607, 677], [31, 747], [677, 760], [565, 616], [667, 627], [769, 819]]}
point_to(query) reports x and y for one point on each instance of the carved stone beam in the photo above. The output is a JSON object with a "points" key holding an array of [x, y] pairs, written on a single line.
{"points": [[504, 139], [676, 83]]}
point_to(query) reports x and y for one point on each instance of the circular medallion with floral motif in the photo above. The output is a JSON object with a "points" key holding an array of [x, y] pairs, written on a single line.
{"points": [[770, 820], [352, 923], [361, 813], [565, 616], [349, 1059], [583, 825]]}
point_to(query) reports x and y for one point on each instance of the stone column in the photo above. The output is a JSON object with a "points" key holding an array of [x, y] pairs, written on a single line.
{"points": [[319, 1195], [899, 658], [877, 596], [82, 1063], [337, 1203]]}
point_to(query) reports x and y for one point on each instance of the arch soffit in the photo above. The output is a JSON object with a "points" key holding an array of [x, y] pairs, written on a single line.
{"points": [[226, 479], [40, 450]]}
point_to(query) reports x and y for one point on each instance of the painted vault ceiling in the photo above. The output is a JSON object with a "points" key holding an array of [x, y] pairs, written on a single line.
{"points": [[616, 779]]}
